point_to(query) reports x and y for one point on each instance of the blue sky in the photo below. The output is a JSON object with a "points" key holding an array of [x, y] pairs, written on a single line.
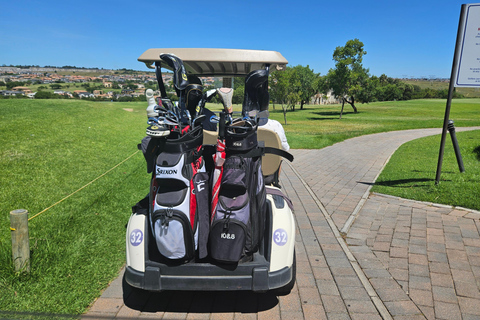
{"points": [[402, 38]]}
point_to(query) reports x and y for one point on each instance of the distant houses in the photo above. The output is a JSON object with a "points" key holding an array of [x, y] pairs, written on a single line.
{"points": [[115, 85]]}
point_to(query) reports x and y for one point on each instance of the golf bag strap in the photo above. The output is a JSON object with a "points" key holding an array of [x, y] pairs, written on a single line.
{"points": [[280, 152], [260, 151], [158, 74]]}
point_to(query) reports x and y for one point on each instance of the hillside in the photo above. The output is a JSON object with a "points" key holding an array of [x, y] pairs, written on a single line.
{"points": [[443, 84]]}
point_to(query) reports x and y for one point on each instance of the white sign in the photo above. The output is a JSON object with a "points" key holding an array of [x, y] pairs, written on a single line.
{"points": [[468, 69]]}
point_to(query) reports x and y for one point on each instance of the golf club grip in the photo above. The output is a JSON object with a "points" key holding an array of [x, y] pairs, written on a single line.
{"points": [[221, 126]]}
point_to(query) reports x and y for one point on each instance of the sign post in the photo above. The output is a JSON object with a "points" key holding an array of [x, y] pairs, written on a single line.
{"points": [[466, 65]]}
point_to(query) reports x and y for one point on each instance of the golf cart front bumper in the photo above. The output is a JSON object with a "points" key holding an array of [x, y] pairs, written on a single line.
{"points": [[253, 276]]}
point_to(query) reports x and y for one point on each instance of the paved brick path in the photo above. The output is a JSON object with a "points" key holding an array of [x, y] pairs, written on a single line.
{"points": [[359, 255]]}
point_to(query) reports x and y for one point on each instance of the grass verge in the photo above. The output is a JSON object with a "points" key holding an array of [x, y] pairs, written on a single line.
{"points": [[50, 148], [411, 171]]}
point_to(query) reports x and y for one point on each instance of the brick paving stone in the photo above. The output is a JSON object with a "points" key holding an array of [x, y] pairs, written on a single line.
{"points": [[418, 249], [444, 294], [305, 280], [199, 316], [421, 297], [441, 280], [437, 256], [420, 259], [356, 306], [269, 314], [421, 283], [379, 272], [342, 271], [327, 287], [322, 273], [410, 317], [294, 315], [447, 311], [401, 263], [402, 308], [418, 270], [469, 306], [428, 312], [309, 296], [463, 275], [399, 252], [467, 289], [338, 316], [348, 281], [399, 274], [391, 294], [463, 265], [436, 247], [333, 304], [107, 305], [290, 302], [365, 316], [311, 311], [354, 293], [127, 313]]}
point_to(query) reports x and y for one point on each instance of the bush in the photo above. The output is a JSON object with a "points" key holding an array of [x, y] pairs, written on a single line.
{"points": [[46, 95]]}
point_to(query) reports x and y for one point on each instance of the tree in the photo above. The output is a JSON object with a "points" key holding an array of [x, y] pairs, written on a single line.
{"points": [[238, 90], [307, 81], [283, 89], [348, 79]]}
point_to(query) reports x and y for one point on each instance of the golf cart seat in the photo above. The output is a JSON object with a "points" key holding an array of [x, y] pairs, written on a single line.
{"points": [[210, 137], [270, 162]]}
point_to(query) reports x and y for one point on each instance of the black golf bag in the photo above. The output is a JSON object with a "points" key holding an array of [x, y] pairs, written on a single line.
{"points": [[239, 221]]}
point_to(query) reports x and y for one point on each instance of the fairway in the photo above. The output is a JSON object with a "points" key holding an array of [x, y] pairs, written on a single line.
{"points": [[51, 148]]}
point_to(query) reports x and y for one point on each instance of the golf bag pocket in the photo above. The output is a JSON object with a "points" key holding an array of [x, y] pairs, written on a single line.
{"points": [[173, 234], [227, 240]]}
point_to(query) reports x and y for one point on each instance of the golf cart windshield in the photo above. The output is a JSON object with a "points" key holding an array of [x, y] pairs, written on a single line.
{"points": [[217, 62]]}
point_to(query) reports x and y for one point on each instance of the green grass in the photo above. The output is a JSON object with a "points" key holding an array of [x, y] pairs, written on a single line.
{"points": [[411, 172], [51, 148], [317, 126]]}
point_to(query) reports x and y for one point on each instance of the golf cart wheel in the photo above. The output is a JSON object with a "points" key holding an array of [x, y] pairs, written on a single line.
{"points": [[285, 290]]}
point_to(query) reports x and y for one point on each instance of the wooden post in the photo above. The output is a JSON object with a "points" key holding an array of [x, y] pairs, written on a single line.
{"points": [[20, 241]]}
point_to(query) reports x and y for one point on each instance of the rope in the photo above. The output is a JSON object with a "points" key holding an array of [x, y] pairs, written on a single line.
{"points": [[83, 186]]}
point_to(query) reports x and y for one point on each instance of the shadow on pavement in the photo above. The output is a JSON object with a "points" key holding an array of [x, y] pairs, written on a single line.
{"points": [[197, 301]]}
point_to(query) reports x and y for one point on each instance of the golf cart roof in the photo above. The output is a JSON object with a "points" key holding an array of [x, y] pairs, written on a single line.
{"points": [[218, 62]]}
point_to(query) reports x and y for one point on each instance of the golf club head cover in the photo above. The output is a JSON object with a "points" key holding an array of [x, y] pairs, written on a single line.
{"points": [[193, 95], [180, 80], [226, 95], [256, 92]]}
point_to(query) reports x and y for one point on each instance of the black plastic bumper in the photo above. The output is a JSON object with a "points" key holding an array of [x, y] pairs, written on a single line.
{"points": [[253, 276]]}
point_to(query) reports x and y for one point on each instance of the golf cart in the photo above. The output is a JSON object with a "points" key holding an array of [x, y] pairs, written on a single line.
{"points": [[204, 260]]}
